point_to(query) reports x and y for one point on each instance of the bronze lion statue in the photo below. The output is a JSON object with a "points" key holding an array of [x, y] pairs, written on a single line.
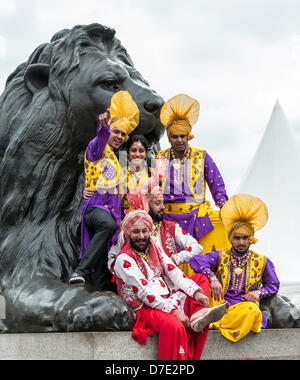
{"points": [[48, 114]]}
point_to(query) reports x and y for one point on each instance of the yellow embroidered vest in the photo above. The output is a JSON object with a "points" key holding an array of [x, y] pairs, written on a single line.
{"points": [[194, 173], [254, 270], [103, 175]]}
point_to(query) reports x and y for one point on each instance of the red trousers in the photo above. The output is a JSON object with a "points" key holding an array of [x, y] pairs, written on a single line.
{"points": [[175, 342]]}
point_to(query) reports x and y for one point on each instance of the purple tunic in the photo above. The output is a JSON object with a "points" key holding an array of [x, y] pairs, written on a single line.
{"points": [[195, 226], [208, 263], [107, 201]]}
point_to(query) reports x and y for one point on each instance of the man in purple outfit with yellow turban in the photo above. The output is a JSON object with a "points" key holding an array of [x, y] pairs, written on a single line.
{"points": [[101, 212], [189, 170], [239, 275]]}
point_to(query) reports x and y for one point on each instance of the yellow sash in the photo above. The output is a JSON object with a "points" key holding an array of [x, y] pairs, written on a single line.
{"points": [[185, 208]]}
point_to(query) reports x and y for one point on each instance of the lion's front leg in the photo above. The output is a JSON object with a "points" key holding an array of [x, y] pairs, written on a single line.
{"points": [[3, 327], [49, 305]]}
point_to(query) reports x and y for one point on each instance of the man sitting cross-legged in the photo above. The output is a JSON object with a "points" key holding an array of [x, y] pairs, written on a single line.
{"points": [[240, 276], [165, 300]]}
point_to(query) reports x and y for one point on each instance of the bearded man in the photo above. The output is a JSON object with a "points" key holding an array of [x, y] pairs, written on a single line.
{"points": [[239, 275], [189, 170], [101, 213], [165, 300], [179, 245]]}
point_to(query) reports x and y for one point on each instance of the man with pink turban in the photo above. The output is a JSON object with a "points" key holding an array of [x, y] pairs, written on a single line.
{"points": [[165, 300]]}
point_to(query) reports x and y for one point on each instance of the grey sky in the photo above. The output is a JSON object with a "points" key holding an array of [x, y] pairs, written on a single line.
{"points": [[235, 57]]}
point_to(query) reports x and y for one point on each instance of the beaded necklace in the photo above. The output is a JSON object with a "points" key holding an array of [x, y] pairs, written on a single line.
{"points": [[239, 269], [142, 255], [155, 230], [179, 165]]}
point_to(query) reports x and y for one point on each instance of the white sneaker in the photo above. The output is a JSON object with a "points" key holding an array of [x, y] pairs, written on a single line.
{"points": [[206, 316]]}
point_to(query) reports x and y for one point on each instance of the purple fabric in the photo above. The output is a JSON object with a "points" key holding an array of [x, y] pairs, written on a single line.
{"points": [[180, 195], [208, 263], [109, 202]]}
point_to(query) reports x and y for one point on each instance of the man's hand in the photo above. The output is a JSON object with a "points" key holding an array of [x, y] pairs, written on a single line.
{"points": [[182, 318], [87, 193], [105, 118], [251, 296], [216, 290], [201, 298]]}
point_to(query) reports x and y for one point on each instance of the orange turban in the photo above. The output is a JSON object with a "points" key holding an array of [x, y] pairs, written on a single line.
{"points": [[124, 112], [179, 114]]}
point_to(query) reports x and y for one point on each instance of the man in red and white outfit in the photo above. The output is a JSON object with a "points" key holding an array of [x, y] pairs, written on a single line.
{"points": [[165, 300]]}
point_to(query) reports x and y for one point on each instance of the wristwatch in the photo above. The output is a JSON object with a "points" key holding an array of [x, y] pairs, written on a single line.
{"points": [[213, 278]]}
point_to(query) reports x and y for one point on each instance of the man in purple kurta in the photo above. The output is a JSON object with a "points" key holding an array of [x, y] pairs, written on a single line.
{"points": [[189, 170], [240, 276], [208, 265], [178, 197], [101, 213]]}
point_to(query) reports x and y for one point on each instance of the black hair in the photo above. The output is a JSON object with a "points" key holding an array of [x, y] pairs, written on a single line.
{"points": [[137, 138]]}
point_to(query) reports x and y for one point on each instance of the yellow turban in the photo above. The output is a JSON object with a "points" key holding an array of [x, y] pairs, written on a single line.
{"points": [[244, 214], [179, 114], [124, 112]]}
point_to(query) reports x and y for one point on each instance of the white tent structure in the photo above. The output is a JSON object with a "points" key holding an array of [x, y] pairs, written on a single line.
{"points": [[274, 177]]}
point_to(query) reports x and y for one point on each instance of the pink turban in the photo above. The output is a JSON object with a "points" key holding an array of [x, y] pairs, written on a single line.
{"points": [[134, 218], [131, 220], [151, 187]]}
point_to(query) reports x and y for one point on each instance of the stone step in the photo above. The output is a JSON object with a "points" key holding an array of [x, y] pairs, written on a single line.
{"points": [[273, 344]]}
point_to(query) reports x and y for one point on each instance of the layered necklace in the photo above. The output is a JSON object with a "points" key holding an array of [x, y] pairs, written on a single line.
{"points": [[239, 269], [178, 165], [142, 255]]}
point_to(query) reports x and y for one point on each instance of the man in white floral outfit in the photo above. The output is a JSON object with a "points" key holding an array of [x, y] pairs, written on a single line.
{"points": [[165, 300]]}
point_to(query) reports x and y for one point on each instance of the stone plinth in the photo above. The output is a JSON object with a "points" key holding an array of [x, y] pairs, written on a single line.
{"points": [[269, 344]]}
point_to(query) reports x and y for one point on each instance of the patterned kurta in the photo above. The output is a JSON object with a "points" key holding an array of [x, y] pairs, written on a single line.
{"points": [[139, 285], [173, 241], [102, 175], [184, 196], [130, 182], [259, 275]]}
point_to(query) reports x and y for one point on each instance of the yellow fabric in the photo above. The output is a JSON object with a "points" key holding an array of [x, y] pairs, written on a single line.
{"points": [[185, 208], [179, 114], [246, 212], [239, 320], [124, 112], [194, 176], [94, 179], [215, 240]]}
